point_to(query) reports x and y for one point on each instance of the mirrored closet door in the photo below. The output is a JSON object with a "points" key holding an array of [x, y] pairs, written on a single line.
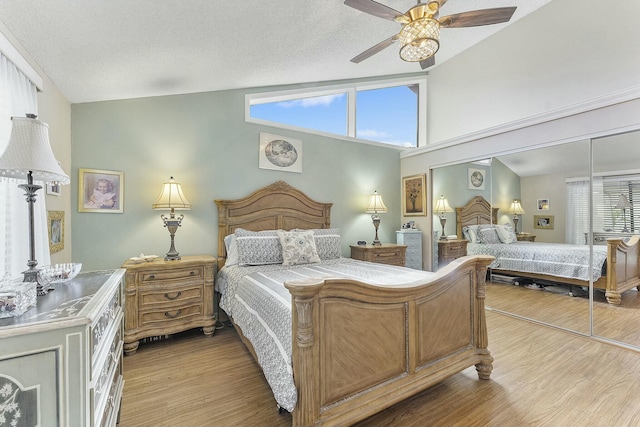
{"points": [[616, 215]]}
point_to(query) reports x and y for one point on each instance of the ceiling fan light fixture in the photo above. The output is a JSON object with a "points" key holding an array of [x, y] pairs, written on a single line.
{"points": [[419, 39]]}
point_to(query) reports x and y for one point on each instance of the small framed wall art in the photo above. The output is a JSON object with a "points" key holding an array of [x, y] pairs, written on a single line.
{"points": [[55, 226], [100, 191], [544, 222], [476, 178], [543, 204], [280, 153], [414, 195], [53, 189]]}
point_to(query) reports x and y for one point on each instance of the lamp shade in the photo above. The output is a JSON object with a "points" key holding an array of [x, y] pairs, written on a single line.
{"points": [[172, 197], [623, 202], [442, 206], [375, 204], [29, 150], [516, 208]]}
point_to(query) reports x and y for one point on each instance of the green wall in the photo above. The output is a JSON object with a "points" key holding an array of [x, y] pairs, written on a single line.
{"points": [[203, 141]]}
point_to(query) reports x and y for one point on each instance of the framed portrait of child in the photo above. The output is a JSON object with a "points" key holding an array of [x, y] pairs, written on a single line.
{"points": [[100, 191]]}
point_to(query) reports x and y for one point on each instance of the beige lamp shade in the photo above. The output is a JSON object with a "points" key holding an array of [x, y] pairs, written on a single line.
{"points": [[172, 197], [442, 206], [29, 150], [516, 208], [376, 205]]}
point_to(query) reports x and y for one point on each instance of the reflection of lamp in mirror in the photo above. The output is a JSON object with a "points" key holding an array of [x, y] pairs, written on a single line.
{"points": [[623, 203], [515, 210], [29, 156], [375, 207], [442, 207], [172, 198]]}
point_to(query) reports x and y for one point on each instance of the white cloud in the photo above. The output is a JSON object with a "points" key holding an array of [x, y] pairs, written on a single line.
{"points": [[372, 133], [311, 102]]}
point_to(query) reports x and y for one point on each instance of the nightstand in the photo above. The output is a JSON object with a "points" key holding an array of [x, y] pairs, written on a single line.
{"points": [[166, 297], [387, 253], [448, 250], [526, 237]]}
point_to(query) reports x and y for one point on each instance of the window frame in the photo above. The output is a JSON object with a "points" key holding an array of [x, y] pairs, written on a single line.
{"points": [[351, 90]]}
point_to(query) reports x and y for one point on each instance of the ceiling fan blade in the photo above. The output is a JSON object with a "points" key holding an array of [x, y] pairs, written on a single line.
{"points": [[429, 62], [476, 18], [375, 49], [374, 8]]}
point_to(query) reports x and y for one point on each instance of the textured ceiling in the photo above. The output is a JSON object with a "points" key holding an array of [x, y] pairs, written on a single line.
{"points": [[102, 50]]}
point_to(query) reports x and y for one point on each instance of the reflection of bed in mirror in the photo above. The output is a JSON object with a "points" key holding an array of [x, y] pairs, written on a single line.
{"points": [[615, 266], [350, 346]]}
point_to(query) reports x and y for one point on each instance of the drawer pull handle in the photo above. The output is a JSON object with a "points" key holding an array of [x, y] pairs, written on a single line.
{"points": [[173, 316], [152, 277], [172, 298], [193, 273]]}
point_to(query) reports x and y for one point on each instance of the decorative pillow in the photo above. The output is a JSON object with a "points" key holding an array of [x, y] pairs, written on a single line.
{"points": [[488, 236], [232, 249], [506, 233], [470, 234], [327, 242], [298, 247], [258, 247]]}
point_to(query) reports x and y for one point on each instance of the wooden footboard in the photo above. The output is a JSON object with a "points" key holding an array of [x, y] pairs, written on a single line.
{"points": [[358, 349], [622, 268]]}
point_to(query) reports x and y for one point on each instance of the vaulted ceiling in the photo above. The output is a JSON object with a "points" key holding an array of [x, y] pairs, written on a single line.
{"points": [[118, 49]]}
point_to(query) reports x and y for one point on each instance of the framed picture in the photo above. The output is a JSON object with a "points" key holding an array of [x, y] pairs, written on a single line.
{"points": [[414, 199], [476, 178], [543, 221], [100, 191], [280, 153], [55, 225], [543, 204], [53, 189]]}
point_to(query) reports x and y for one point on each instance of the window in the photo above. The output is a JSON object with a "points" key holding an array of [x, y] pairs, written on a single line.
{"points": [[617, 191], [390, 112]]}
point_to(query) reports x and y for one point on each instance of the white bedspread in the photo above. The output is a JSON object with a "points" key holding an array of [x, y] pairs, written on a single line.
{"points": [[555, 259], [258, 302]]}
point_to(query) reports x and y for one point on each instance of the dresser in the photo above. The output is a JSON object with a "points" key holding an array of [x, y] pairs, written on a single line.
{"points": [[448, 250], [386, 253], [62, 359], [412, 239], [166, 297]]}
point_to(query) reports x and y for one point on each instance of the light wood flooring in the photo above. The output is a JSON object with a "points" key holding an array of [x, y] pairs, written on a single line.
{"points": [[542, 377]]}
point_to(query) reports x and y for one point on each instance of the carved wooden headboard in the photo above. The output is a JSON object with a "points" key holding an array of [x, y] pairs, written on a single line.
{"points": [[276, 206], [476, 211]]}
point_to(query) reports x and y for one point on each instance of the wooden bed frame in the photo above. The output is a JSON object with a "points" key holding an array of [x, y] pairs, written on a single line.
{"points": [[357, 348], [623, 258]]}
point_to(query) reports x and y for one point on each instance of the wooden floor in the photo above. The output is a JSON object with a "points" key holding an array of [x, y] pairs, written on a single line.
{"points": [[542, 377]]}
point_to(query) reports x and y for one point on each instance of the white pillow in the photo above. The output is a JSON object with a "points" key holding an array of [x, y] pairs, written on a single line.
{"points": [[470, 233], [232, 249], [506, 233], [298, 247], [488, 236]]}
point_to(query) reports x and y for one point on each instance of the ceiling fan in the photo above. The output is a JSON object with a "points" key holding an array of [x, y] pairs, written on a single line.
{"points": [[421, 25]]}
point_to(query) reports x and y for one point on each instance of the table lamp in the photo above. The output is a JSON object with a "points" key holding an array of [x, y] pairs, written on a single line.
{"points": [[375, 207], [29, 157], [623, 203], [442, 207], [516, 209], [171, 197]]}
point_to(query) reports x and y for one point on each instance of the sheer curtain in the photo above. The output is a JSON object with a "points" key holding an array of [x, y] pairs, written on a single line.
{"points": [[17, 98], [577, 212]]}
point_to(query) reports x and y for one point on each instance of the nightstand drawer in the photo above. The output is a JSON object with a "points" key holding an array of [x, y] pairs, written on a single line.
{"points": [[171, 315], [386, 255], [171, 295], [181, 274], [454, 249]]}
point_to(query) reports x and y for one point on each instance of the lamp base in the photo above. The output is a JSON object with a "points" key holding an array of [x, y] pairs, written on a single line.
{"points": [[376, 224], [172, 223], [443, 222]]}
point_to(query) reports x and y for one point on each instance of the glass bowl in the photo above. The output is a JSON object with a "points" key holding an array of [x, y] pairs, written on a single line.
{"points": [[59, 273]]}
